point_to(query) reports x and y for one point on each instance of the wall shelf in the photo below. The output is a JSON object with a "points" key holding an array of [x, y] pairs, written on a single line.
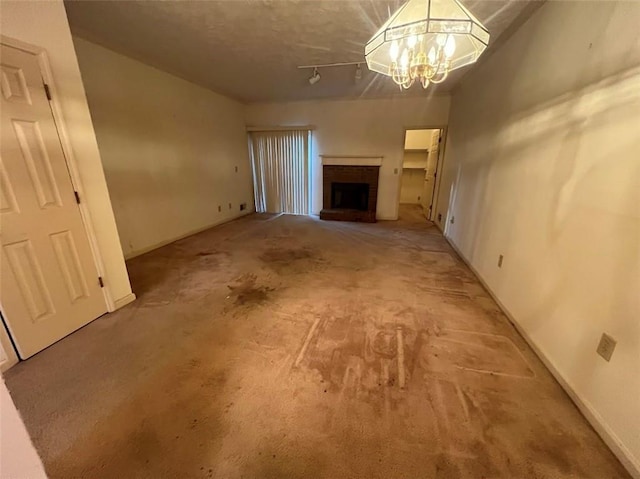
{"points": [[414, 166], [416, 150]]}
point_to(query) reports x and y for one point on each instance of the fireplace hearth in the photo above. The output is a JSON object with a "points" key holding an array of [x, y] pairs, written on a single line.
{"points": [[350, 192]]}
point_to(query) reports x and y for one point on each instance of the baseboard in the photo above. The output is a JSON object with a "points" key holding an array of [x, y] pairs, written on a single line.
{"points": [[587, 410], [146, 249], [121, 302]]}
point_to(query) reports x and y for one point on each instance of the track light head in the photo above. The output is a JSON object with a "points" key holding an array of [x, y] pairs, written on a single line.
{"points": [[315, 78]]}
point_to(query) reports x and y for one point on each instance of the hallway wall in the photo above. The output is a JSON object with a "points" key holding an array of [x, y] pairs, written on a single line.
{"points": [[19, 457], [544, 168]]}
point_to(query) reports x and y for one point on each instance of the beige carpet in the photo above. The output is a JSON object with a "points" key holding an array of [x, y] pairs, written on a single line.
{"points": [[288, 347]]}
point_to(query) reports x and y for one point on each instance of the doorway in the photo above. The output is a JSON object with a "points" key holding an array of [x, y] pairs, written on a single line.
{"points": [[49, 284], [420, 164]]}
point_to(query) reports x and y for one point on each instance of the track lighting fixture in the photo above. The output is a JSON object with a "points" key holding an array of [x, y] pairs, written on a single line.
{"points": [[315, 78], [358, 73]]}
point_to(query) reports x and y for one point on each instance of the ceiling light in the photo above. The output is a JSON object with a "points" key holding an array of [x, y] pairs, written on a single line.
{"points": [[315, 78], [424, 40]]}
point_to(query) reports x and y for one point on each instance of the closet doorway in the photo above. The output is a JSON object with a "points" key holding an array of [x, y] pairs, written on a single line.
{"points": [[420, 164]]}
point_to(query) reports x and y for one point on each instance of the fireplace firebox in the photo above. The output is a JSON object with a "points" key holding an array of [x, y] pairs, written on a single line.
{"points": [[350, 193], [351, 196]]}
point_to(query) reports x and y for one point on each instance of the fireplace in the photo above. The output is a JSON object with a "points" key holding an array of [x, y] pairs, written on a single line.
{"points": [[350, 196], [350, 191]]}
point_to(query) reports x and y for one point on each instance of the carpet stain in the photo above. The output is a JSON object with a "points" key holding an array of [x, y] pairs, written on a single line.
{"points": [[246, 293], [292, 260], [278, 255]]}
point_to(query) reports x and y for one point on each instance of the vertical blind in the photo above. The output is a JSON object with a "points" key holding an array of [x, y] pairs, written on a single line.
{"points": [[280, 161]]}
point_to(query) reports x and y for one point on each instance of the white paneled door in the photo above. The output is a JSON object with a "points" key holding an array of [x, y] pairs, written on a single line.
{"points": [[49, 284]]}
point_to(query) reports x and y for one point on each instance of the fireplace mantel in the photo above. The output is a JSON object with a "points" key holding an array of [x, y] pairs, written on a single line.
{"points": [[345, 160]]}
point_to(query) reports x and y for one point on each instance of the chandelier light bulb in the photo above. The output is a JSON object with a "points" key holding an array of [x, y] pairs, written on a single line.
{"points": [[394, 50], [432, 56], [450, 47], [404, 59], [411, 41], [441, 39]]}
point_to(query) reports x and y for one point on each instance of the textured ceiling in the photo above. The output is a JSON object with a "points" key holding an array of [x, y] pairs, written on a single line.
{"points": [[249, 50]]}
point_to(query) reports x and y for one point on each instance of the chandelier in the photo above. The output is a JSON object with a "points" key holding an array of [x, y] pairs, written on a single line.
{"points": [[424, 40]]}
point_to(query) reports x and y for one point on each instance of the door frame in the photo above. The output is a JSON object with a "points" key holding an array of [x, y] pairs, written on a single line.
{"points": [[67, 151], [7, 345], [439, 166]]}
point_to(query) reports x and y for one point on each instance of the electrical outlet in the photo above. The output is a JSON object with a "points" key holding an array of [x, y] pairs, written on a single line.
{"points": [[229, 205], [236, 169], [439, 217], [418, 198], [453, 219], [500, 258], [395, 171], [243, 206], [219, 208], [606, 346]]}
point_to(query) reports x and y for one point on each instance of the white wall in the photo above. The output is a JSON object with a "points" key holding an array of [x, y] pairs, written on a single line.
{"points": [[417, 139], [543, 166], [44, 24], [412, 186], [357, 127], [415, 159], [413, 168], [169, 149], [18, 457]]}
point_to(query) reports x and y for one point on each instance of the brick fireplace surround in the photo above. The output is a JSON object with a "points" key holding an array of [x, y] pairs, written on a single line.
{"points": [[349, 174]]}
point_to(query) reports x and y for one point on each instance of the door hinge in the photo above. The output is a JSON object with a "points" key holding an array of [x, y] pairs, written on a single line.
{"points": [[47, 91], [100, 282], [77, 195]]}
